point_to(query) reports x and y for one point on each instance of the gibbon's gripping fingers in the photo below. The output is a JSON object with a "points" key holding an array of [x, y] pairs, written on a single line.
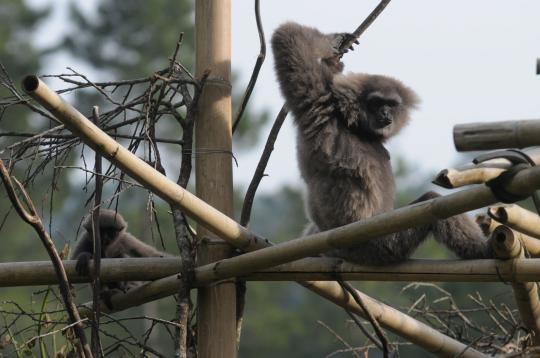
{"points": [[82, 267], [341, 38], [345, 38]]}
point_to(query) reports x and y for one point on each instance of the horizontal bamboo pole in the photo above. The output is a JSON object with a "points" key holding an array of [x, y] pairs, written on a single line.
{"points": [[361, 231], [479, 173], [139, 170], [497, 135], [225, 227], [370, 228], [517, 218], [507, 246], [418, 270], [35, 273]]}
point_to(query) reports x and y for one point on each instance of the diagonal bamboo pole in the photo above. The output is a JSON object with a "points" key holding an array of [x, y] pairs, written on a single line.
{"points": [[413, 215], [237, 235], [507, 246], [139, 170], [523, 183], [36, 273]]}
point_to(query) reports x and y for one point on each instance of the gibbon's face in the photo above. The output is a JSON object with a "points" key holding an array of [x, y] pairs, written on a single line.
{"points": [[382, 112], [108, 234]]}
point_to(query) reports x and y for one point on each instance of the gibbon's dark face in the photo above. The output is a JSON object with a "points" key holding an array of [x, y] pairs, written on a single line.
{"points": [[108, 234], [382, 111]]}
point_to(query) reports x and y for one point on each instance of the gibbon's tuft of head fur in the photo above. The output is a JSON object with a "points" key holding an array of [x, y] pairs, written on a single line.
{"points": [[108, 219], [377, 105]]}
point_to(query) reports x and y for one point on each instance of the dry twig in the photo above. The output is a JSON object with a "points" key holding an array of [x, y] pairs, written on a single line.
{"points": [[256, 69], [96, 232]]}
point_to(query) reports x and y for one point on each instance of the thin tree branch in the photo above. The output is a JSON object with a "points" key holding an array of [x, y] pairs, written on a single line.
{"points": [[181, 227], [364, 25], [31, 217], [256, 69], [339, 338], [374, 323], [96, 280], [261, 167], [269, 147]]}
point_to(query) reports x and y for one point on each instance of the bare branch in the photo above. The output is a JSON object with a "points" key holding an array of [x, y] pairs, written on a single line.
{"points": [[96, 232], [269, 147], [364, 25], [256, 69], [31, 217], [383, 341], [261, 167]]}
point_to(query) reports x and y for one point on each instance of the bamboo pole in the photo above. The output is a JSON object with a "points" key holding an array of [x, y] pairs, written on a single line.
{"points": [[486, 224], [413, 215], [203, 213], [415, 331], [32, 273], [517, 218], [479, 173], [370, 228], [36, 273], [216, 315], [138, 169], [507, 246], [497, 135], [523, 183], [531, 244]]}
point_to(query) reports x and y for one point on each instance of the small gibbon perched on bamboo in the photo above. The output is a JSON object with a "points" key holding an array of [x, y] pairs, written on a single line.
{"points": [[116, 242], [343, 121]]}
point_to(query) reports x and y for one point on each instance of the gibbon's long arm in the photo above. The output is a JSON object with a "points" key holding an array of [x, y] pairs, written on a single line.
{"points": [[343, 121], [305, 63], [128, 245]]}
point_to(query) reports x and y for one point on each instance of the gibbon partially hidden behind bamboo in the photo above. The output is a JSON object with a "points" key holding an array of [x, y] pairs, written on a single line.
{"points": [[116, 242], [343, 121]]}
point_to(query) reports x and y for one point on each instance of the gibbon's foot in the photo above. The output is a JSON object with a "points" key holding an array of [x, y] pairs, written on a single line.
{"points": [[106, 297]]}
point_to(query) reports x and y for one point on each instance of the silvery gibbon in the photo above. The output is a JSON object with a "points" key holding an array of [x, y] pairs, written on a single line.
{"points": [[116, 242], [343, 121]]}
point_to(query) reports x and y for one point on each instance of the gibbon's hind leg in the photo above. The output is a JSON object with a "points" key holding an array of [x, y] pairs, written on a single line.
{"points": [[460, 234], [463, 237], [385, 250], [389, 249]]}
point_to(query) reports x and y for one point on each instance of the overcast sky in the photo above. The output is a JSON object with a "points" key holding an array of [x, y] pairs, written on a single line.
{"points": [[468, 61]]}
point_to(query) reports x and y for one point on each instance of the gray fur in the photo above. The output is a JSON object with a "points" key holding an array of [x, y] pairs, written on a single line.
{"points": [[341, 154], [116, 242]]}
